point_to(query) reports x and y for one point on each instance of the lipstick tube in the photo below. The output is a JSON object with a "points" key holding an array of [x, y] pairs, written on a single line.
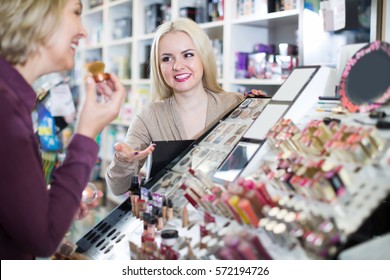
{"points": [[245, 206], [234, 201], [225, 198], [263, 190]]}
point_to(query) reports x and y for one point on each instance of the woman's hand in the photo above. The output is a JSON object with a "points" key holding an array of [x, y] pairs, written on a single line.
{"points": [[125, 153], [100, 110], [254, 93]]}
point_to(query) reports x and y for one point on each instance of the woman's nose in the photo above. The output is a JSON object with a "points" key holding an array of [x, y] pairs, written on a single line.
{"points": [[83, 31], [177, 65]]}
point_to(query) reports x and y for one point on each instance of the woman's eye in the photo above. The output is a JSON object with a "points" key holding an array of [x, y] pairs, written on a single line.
{"points": [[165, 59], [77, 13], [186, 55]]}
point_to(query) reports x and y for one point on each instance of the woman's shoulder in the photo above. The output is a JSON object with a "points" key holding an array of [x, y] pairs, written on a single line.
{"points": [[154, 107]]}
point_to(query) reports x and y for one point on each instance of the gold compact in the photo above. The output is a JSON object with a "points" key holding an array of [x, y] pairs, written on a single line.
{"points": [[97, 70]]}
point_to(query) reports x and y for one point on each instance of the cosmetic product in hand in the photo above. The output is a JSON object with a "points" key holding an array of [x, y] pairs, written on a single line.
{"points": [[97, 70], [89, 194]]}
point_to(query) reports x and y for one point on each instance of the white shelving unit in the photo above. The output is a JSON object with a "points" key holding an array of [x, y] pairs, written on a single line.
{"points": [[126, 55]]}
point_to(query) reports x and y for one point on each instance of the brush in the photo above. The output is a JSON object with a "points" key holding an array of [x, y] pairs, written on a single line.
{"points": [[97, 70]]}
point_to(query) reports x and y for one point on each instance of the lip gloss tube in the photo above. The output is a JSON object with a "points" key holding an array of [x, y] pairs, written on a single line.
{"points": [[233, 201], [207, 200], [225, 211], [256, 205], [262, 188], [259, 196], [202, 178], [196, 196], [225, 198], [245, 206], [191, 200]]}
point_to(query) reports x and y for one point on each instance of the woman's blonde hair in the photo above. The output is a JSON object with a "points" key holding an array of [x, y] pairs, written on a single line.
{"points": [[26, 25], [159, 88]]}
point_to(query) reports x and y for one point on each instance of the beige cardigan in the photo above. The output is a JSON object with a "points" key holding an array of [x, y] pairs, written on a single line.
{"points": [[160, 121]]}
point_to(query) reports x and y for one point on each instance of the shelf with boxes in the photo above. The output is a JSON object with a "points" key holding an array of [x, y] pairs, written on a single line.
{"points": [[121, 32]]}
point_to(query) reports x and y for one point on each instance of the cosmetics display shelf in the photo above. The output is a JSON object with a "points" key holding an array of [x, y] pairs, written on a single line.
{"points": [[101, 243], [292, 175], [367, 188]]}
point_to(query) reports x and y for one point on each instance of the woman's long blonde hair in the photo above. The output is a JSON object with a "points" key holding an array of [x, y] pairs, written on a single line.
{"points": [[159, 88]]}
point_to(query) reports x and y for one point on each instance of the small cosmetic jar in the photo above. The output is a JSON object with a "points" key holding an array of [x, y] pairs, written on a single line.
{"points": [[169, 237]]}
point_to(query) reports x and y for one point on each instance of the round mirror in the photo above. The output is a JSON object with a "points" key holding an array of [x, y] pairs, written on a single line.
{"points": [[365, 82]]}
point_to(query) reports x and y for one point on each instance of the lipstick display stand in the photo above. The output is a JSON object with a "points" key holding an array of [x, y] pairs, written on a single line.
{"points": [[285, 177]]}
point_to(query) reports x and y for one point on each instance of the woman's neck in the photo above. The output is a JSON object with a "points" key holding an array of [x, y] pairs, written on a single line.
{"points": [[193, 111], [191, 101], [31, 70]]}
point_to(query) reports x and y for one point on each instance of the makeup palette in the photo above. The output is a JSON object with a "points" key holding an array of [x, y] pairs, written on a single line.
{"points": [[213, 160], [246, 109], [168, 182], [194, 157]]}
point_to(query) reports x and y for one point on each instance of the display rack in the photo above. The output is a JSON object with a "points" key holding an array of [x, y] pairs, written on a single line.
{"points": [[295, 220]]}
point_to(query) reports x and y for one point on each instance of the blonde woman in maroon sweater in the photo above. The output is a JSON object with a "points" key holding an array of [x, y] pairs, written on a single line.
{"points": [[38, 37]]}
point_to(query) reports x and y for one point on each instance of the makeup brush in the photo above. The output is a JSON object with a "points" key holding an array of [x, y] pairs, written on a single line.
{"points": [[97, 70]]}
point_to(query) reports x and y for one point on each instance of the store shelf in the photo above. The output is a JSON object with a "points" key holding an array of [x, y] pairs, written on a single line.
{"points": [[120, 42], [257, 82], [271, 19]]}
